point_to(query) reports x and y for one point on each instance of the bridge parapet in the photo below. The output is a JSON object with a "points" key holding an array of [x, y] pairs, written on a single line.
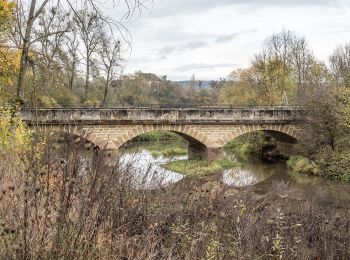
{"points": [[207, 129], [207, 115]]}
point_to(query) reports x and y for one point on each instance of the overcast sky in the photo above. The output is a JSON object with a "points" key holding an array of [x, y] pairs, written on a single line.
{"points": [[210, 38]]}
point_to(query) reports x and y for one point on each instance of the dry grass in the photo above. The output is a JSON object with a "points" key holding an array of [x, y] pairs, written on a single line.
{"points": [[59, 206]]}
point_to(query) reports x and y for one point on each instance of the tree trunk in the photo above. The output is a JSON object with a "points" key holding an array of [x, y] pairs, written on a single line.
{"points": [[105, 94], [25, 51], [106, 86], [87, 75]]}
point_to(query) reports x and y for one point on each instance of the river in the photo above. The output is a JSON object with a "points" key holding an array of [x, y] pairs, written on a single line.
{"points": [[148, 173]]}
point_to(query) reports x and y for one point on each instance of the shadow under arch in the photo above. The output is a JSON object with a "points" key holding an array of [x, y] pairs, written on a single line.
{"points": [[282, 144], [281, 136], [194, 145], [73, 136], [284, 134]]}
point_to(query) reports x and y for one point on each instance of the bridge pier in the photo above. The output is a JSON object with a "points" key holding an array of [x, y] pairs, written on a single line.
{"points": [[198, 151], [111, 157]]}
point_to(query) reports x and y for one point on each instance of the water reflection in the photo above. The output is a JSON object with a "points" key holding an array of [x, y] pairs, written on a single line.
{"points": [[147, 171]]}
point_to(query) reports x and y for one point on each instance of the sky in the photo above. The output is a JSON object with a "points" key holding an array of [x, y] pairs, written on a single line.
{"points": [[211, 38]]}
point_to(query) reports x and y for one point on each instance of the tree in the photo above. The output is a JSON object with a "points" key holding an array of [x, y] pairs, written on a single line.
{"points": [[239, 91], [49, 33], [340, 65], [109, 62], [33, 14], [89, 26], [9, 57], [70, 58], [6, 16], [26, 19]]}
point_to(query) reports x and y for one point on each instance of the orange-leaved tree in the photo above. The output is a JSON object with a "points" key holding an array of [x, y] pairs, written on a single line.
{"points": [[9, 57]]}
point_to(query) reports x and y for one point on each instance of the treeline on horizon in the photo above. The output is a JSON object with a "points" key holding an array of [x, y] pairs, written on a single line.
{"points": [[57, 202]]}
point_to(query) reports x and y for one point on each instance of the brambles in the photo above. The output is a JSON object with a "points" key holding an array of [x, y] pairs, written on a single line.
{"points": [[64, 204]]}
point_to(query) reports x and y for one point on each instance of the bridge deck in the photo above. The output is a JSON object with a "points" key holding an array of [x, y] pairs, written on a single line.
{"points": [[202, 115]]}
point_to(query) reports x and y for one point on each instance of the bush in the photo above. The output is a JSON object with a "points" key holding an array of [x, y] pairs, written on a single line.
{"points": [[47, 101], [336, 166], [198, 167], [68, 99], [158, 136], [174, 152], [250, 143], [302, 165], [14, 134], [92, 102]]}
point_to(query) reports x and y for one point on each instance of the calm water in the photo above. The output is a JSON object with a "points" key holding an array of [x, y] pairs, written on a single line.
{"points": [[147, 170], [148, 173]]}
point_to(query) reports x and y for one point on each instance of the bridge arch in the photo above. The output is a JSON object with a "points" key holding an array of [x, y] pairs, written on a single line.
{"points": [[284, 133], [193, 137], [204, 140], [69, 130]]}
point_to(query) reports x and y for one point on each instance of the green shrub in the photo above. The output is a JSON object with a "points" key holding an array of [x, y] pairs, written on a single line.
{"points": [[302, 165], [225, 163], [174, 152], [92, 102], [47, 101], [158, 136], [198, 167], [336, 166], [68, 99]]}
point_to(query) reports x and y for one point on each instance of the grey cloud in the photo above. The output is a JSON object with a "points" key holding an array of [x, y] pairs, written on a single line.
{"points": [[223, 38], [195, 45], [167, 50], [191, 45], [226, 37], [204, 66]]}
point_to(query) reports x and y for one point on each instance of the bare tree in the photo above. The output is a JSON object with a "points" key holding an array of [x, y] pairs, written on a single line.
{"points": [[89, 26], [340, 65], [49, 33], [26, 19], [33, 14], [109, 62], [70, 58]]}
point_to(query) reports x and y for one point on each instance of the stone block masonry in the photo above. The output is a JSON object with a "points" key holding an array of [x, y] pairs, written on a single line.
{"points": [[206, 129]]}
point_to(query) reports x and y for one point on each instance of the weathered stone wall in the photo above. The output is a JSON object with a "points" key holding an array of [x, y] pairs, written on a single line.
{"points": [[207, 130], [158, 116], [114, 136]]}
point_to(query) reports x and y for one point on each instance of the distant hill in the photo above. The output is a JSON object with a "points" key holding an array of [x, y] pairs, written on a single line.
{"points": [[205, 84]]}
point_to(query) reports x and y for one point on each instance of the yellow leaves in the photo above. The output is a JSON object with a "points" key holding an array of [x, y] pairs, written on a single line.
{"points": [[9, 59], [9, 66], [342, 101], [6, 14], [9, 62], [239, 92], [265, 83], [14, 136]]}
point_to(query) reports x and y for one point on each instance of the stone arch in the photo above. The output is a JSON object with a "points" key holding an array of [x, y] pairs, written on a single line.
{"points": [[288, 133], [70, 130], [190, 134]]}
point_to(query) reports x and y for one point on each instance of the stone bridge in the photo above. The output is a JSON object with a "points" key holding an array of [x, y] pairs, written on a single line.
{"points": [[207, 130]]}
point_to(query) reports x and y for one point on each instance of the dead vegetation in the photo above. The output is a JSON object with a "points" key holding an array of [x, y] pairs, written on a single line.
{"points": [[56, 204]]}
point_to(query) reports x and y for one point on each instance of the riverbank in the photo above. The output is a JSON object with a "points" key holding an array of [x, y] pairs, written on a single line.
{"points": [[199, 168], [337, 172], [87, 209]]}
